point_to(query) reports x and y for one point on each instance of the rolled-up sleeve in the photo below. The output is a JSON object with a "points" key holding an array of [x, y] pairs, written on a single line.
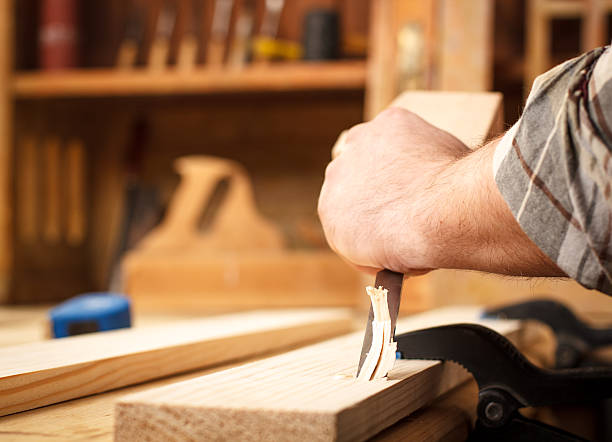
{"points": [[553, 167]]}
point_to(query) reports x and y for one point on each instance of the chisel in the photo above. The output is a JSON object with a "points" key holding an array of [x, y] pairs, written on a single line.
{"points": [[392, 281]]}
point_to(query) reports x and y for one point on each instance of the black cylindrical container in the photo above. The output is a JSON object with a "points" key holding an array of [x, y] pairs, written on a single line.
{"points": [[321, 35]]}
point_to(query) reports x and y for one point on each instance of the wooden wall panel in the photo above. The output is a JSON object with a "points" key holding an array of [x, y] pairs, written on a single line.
{"points": [[6, 115]]}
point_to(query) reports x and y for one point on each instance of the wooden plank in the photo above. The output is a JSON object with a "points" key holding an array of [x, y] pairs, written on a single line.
{"points": [[466, 45], [595, 24], [448, 419], [92, 417], [278, 77], [538, 41], [402, 44], [463, 286], [318, 278], [85, 419], [307, 394], [6, 125], [381, 80], [471, 117], [37, 374]]}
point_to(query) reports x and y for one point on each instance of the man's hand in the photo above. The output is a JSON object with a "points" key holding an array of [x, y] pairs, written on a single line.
{"points": [[407, 196]]}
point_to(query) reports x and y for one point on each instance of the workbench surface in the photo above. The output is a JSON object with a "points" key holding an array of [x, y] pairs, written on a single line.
{"points": [[92, 417], [89, 418]]}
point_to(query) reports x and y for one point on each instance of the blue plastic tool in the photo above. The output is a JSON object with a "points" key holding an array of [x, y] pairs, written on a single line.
{"points": [[90, 312]]}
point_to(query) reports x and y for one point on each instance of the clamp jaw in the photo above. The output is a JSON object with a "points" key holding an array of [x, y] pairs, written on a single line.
{"points": [[507, 381]]}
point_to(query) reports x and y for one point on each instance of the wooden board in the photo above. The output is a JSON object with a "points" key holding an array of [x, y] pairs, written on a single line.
{"points": [[397, 63], [465, 287], [466, 45], [91, 417], [307, 394], [471, 117], [231, 279], [37, 374], [85, 419], [447, 419]]}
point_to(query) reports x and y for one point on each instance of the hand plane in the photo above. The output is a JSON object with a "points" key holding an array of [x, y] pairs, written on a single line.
{"points": [[506, 380]]}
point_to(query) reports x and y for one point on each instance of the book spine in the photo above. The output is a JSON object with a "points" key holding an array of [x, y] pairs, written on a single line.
{"points": [[58, 34]]}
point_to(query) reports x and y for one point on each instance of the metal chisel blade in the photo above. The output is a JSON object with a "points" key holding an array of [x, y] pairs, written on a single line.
{"points": [[392, 281]]}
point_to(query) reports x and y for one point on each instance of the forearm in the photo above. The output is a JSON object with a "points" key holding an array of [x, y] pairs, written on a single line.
{"points": [[472, 226]]}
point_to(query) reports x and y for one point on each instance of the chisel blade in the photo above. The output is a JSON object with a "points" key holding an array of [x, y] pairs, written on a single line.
{"points": [[392, 281]]}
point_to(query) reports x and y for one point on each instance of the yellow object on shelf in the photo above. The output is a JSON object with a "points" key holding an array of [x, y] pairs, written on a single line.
{"points": [[270, 48]]}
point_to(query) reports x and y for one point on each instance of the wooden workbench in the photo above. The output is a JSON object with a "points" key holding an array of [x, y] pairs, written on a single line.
{"points": [[88, 418], [92, 417]]}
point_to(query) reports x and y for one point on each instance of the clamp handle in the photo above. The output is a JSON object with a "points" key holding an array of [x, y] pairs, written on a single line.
{"points": [[496, 363], [575, 338]]}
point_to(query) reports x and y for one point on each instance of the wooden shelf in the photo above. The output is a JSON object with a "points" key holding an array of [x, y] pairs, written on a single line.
{"points": [[342, 75]]}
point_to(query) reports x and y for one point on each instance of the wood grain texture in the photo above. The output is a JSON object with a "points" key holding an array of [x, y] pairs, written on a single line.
{"points": [[447, 419], [52, 190], [104, 82], [37, 374], [381, 82], [307, 394], [28, 177], [6, 112], [91, 418], [470, 116], [85, 419], [234, 225], [239, 254], [240, 280], [462, 286], [466, 45], [75, 192], [538, 41]]}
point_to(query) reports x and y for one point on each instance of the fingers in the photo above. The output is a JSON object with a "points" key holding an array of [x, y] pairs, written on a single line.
{"points": [[368, 270]]}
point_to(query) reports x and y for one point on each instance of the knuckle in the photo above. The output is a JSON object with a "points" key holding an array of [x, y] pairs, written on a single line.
{"points": [[393, 112], [355, 131]]}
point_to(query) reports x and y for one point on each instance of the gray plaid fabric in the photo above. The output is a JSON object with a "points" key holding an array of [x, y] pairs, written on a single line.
{"points": [[553, 167]]}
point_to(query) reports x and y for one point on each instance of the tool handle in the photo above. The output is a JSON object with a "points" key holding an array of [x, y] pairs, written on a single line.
{"points": [[557, 316], [235, 223], [392, 281]]}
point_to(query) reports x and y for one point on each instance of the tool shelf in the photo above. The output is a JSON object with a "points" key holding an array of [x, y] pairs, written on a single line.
{"points": [[279, 77]]}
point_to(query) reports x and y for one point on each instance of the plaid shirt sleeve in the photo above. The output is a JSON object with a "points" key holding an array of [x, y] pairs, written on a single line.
{"points": [[553, 167]]}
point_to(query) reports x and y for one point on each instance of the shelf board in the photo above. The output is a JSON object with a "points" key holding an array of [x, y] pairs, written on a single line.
{"points": [[339, 75]]}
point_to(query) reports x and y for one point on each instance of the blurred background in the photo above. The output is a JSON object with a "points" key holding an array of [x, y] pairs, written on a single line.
{"points": [[173, 150]]}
